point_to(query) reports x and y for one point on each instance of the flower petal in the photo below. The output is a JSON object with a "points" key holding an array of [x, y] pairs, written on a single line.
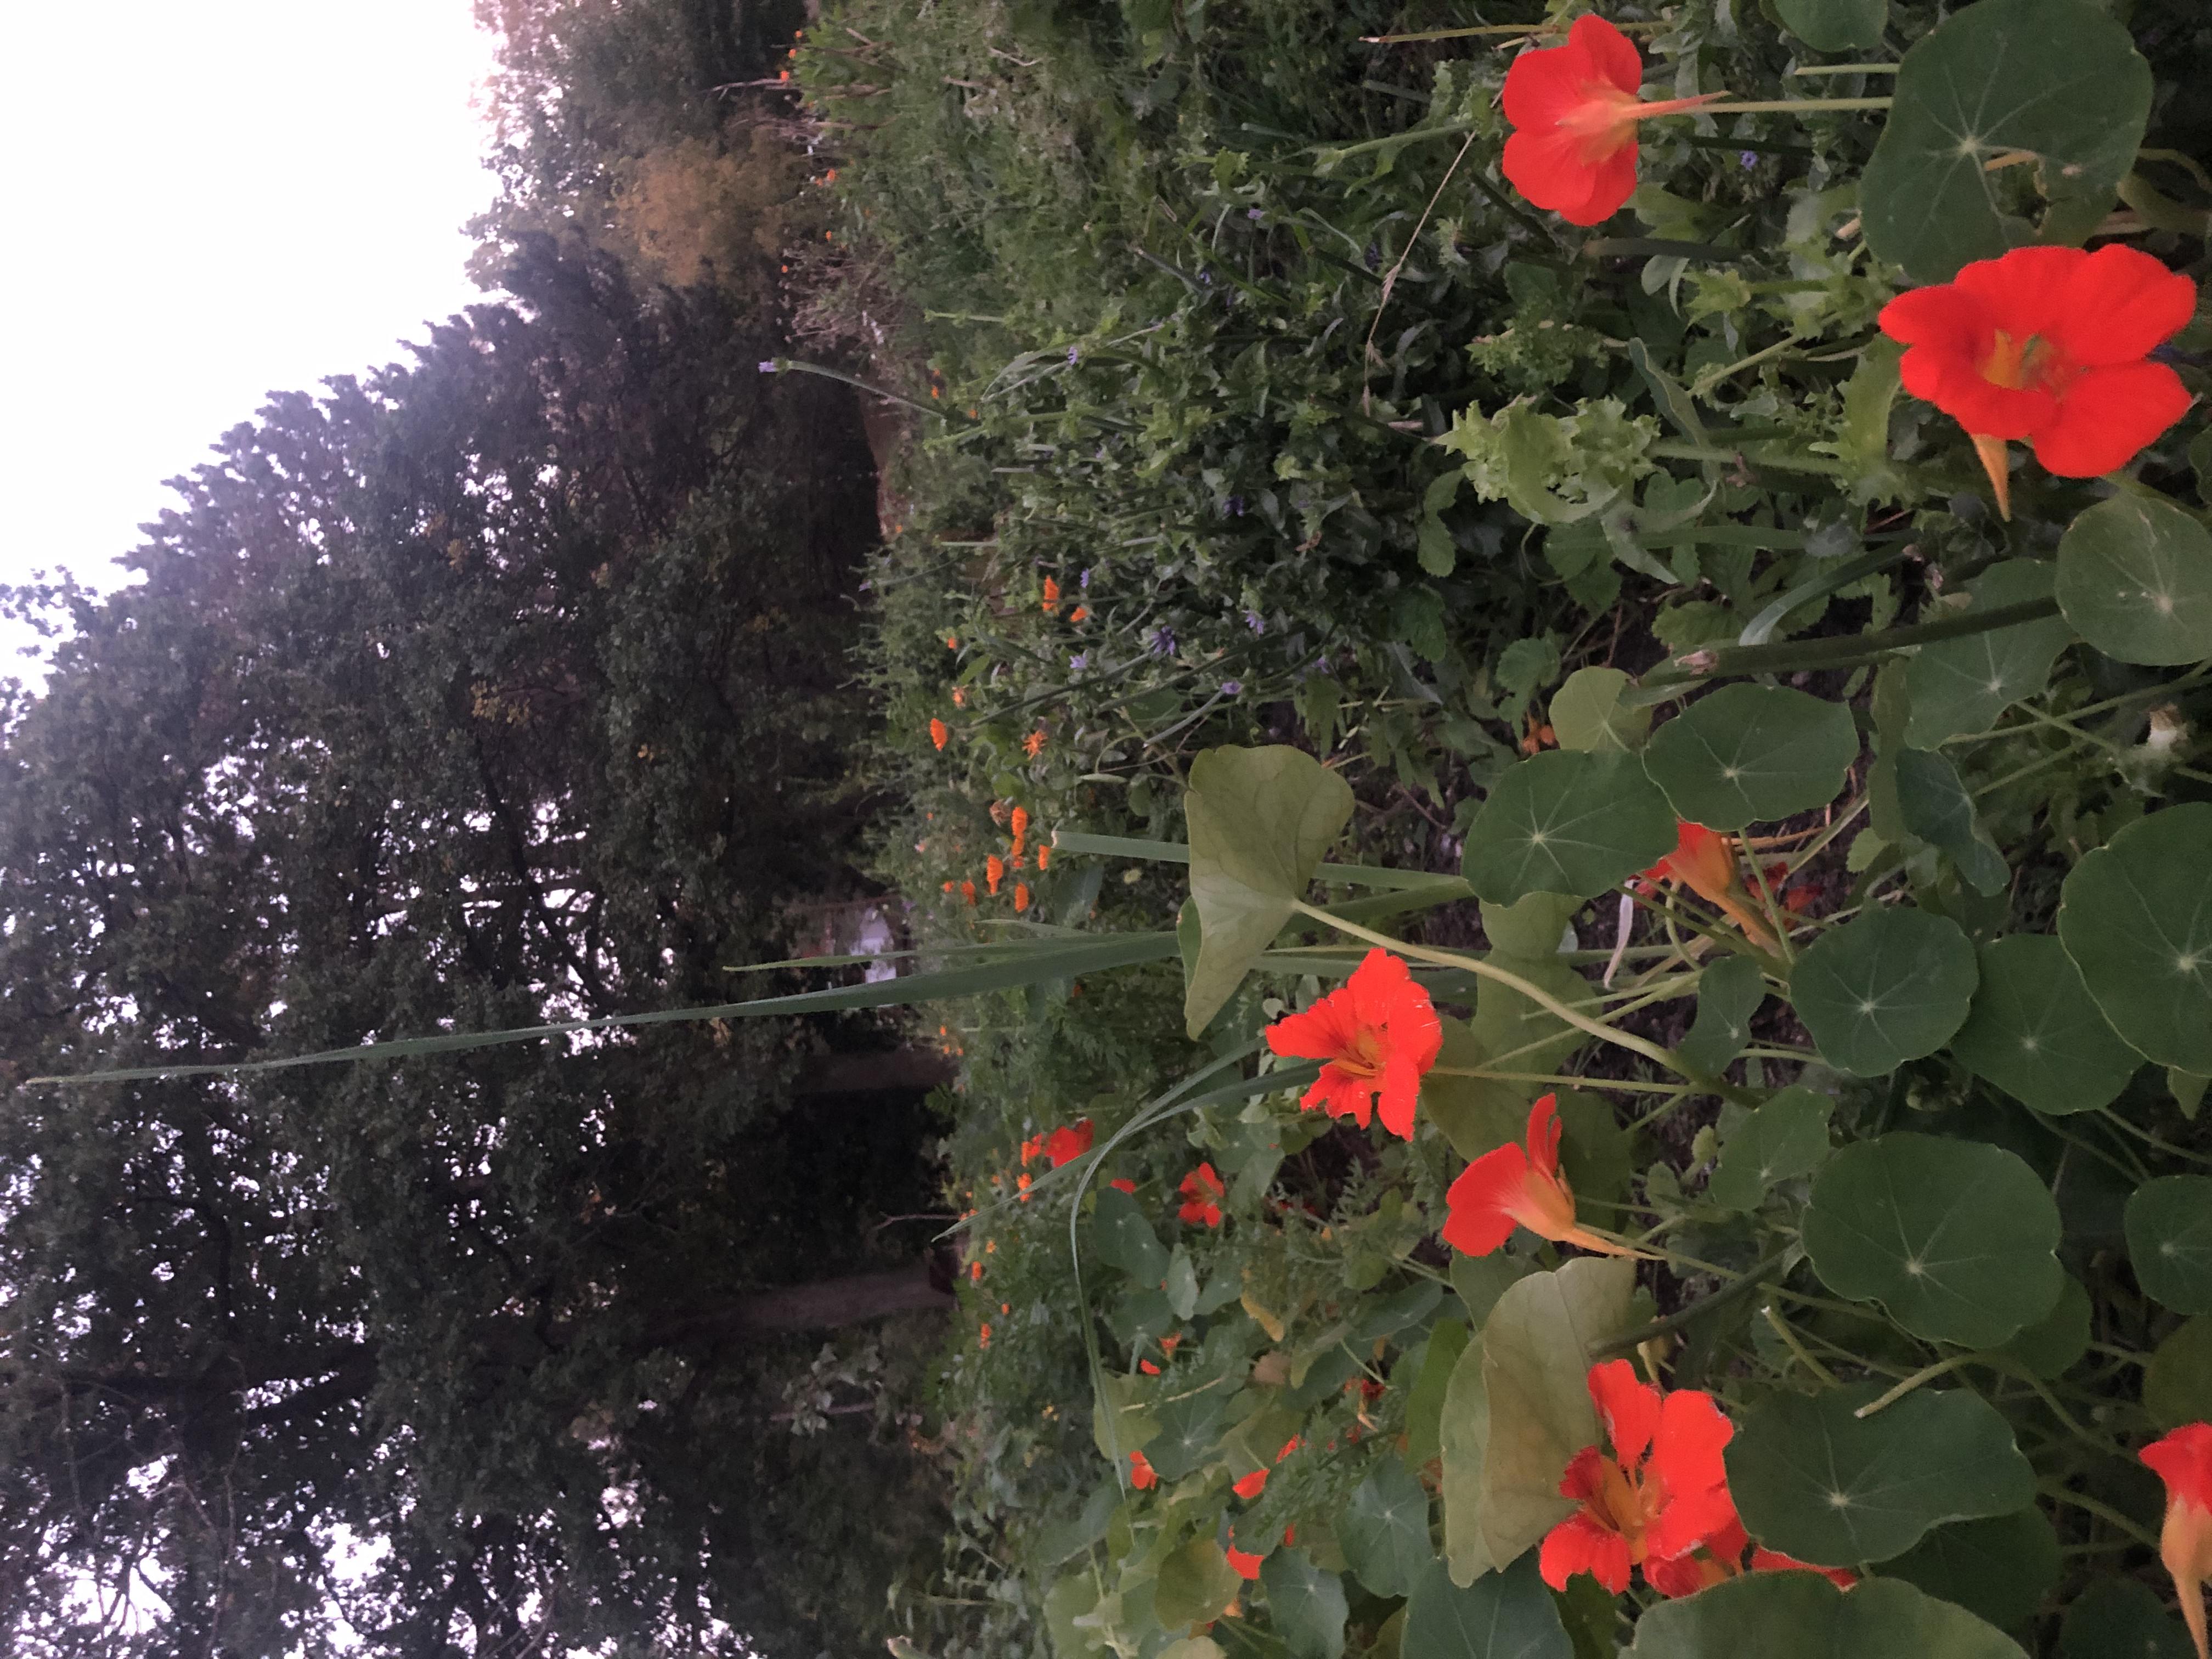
{"points": [[2107, 417], [2118, 304], [1400, 1095], [1605, 52], [1579, 1544], [1481, 1202], [1629, 1408], [1544, 1133], [2023, 291], [1685, 1452]]}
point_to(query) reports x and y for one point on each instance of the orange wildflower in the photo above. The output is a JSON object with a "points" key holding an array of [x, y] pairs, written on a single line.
{"points": [[994, 871], [975, 1273], [1033, 744], [959, 697], [1170, 1343], [1660, 1495], [1704, 861], [1051, 594], [1021, 896], [983, 1335], [1200, 1189], [1517, 1185], [1044, 858], [2183, 1460], [1148, 1368], [1081, 613], [940, 733], [1378, 1034], [1019, 824], [1574, 110], [1069, 1142], [968, 891]]}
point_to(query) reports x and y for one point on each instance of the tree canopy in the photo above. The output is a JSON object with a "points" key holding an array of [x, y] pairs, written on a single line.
{"points": [[501, 686]]}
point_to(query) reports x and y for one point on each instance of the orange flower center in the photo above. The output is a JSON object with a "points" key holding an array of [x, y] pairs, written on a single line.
{"points": [[1605, 119], [1365, 1058], [2020, 365], [1625, 1505]]}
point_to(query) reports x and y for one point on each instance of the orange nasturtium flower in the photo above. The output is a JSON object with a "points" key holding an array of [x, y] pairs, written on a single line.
{"points": [[1068, 1142], [1661, 1493], [1704, 861], [2051, 344], [1514, 1186], [2184, 1461], [1574, 110], [994, 871], [1201, 1190], [940, 733], [1379, 1034], [1142, 1475]]}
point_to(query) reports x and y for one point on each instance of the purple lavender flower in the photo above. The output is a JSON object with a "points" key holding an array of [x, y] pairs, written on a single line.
{"points": [[1255, 622], [1254, 213], [1232, 688], [1083, 582], [1161, 641], [1234, 507], [1074, 355], [1078, 662], [767, 365], [1748, 157]]}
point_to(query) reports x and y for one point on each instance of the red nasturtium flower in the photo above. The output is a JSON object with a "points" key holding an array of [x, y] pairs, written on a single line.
{"points": [[1519, 1186], [1069, 1142], [1574, 110], [1378, 1034], [2050, 345], [1250, 1485], [1243, 1563], [1704, 861], [1142, 1475], [2183, 1460], [1660, 1494], [940, 733], [1201, 1190], [1123, 1184]]}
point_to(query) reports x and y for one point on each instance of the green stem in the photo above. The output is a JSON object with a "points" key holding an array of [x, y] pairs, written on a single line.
{"points": [[1721, 1298], [1846, 69], [1535, 994], [1925, 1374], [2105, 1512], [1791, 106], [1845, 651], [1781, 1328], [1682, 452], [792, 366]]}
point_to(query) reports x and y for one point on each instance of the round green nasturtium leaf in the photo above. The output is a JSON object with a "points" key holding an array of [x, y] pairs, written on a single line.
{"points": [[1121, 1236], [1586, 712], [1567, 822], [1999, 1570], [1306, 1604], [1502, 1615], [1384, 1531], [1750, 753], [1955, 686], [1786, 1137], [1933, 800], [2120, 1618], [1195, 1585], [1834, 25], [2135, 579], [2056, 78], [2169, 1228], [1768, 1615], [1890, 987], [2136, 917], [1190, 1431], [1813, 1480], [1954, 1237], [1728, 994], [2035, 1033], [2177, 1382], [2052, 1344]]}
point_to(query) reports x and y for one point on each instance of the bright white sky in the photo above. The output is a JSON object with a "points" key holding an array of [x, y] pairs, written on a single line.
{"points": [[212, 199]]}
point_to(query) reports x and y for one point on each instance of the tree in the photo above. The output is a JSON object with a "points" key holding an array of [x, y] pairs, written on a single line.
{"points": [[501, 686]]}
